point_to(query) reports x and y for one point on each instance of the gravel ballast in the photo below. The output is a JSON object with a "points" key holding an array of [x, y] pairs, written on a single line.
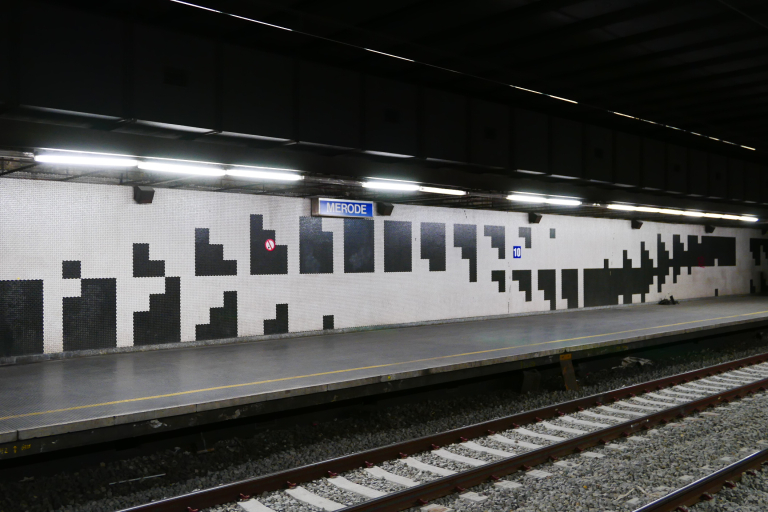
{"points": [[652, 464], [267, 451]]}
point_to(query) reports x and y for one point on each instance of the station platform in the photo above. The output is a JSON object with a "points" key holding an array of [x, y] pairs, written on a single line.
{"points": [[73, 402]]}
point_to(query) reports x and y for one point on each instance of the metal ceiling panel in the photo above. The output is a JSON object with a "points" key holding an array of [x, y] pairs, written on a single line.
{"points": [[330, 105], [628, 155], [391, 116], [489, 137], [566, 153], [531, 141], [175, 78], [698, 173], [86, 68], [598, 154], [445, 118], [677, 169], [258, 93]]}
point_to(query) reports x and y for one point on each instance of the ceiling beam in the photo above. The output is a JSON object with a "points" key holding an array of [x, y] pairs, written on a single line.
{"points": [[631, 74], [608, 65], [642, 91], [573, 56], [578, 27]]}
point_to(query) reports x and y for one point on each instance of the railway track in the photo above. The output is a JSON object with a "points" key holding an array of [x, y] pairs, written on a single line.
{"points": [[416, 472]]}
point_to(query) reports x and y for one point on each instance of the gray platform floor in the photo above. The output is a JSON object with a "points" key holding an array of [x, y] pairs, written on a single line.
{"points": [[54, 397]]}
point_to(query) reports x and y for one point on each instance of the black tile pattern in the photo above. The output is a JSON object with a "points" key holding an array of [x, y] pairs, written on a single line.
{"points": [[358, 246], [209, 258], [525, 233], [315, 247], [162, 323], [524, 278], [465, 236], [327, 322], [569, 284], [21, 317], [279, 325], [433, 245], [752, 288], [547, 284], [602, 287], [90, 321], [498, 237], [398, 246], [758, 246], [223, 321], [498, 276], [70, 270], [143, 266], [264, 262]]}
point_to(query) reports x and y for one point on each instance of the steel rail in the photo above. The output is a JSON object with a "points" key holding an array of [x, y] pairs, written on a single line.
{"points": [[703, 488], [236, 491]]}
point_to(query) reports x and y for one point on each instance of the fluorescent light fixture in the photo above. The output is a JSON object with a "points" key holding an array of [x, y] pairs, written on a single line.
{"points": [[79, 159], [526, 198], [391, 185], [531, 198], [181, 168], [526, 171], [563, 202], [686, 213], [749, 148], [562, 99], [447, 191], [383, 153], [388, 54], [264, 175], [195, 5], [255, 21], [527, 90]]}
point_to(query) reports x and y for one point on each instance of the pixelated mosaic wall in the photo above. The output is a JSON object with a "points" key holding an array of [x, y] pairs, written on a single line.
{"points": [[84, 267]]}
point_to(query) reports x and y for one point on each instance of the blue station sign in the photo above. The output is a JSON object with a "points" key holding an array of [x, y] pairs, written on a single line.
{"points": [[323, 207]]}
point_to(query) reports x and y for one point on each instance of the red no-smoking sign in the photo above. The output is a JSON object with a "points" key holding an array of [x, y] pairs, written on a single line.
{"points": [[269, 244]]}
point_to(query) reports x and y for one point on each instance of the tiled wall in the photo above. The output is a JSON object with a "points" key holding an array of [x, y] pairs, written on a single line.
{"points": [[84, 267]]}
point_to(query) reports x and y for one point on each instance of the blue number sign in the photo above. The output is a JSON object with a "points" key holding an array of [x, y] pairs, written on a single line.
{"points": [[517, 252]]}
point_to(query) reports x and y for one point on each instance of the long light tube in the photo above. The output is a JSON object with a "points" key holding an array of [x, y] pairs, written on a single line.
{"points": [[411, 187], [563, 202], [103, 161], [181, 168], [686, 213], [530, 198], [391, 185], [525, 198], [264, 175], [446, 191], [622, 207]]}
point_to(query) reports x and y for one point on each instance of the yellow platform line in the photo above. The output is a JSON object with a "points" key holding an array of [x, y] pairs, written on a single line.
{"points": [[296, 377]]}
